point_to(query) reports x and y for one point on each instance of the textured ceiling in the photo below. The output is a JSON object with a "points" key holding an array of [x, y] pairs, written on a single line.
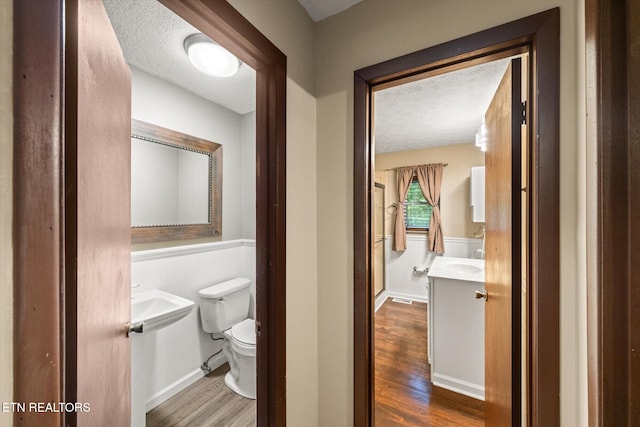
{"points": [[320, 9], [441, 110], [445, 109], [152, 40]]}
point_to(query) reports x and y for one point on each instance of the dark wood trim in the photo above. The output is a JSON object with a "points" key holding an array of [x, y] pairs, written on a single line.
{"points": [[220, 21], [613, 295], [38, 211], [213, 150], [541, 33], [516, 241], [544, 215], [39, 203], [363, 372], [633, 175]]}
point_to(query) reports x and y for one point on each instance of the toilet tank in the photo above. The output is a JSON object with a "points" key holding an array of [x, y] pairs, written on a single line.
{"points": [[224, 304]]}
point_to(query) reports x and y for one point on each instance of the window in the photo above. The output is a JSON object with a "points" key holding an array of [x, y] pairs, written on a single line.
{"points": [[417, 211]]}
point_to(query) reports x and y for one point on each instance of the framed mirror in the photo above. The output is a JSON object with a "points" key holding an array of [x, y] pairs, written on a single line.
{"points": [[176, 185]]}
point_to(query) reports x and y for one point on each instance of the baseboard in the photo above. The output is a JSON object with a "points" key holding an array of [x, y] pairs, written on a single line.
{"points": [[184, 382], [459, 386], [416, 298], [380, 299]]}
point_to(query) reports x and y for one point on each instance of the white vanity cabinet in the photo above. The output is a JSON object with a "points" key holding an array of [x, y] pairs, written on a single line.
{"points": [[456, 325]]}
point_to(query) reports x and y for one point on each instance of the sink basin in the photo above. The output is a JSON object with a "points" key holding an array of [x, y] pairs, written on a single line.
{"points": [[463, 268], [157, 309]]}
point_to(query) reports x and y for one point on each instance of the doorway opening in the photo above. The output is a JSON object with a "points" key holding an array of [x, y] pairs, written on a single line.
{"points": [[179, 113], [58, 307], [453, 121], [538, 35]]}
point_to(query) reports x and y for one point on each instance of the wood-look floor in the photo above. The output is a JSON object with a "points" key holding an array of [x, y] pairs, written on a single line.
{"points": [[403, 391], [206, 403]]}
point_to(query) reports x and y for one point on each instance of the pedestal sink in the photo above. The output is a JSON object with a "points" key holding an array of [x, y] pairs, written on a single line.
{"points": [[150, 311], [156, 309]]}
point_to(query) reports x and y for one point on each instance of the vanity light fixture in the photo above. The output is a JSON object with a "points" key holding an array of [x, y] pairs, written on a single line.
{"points": [[481, 137], [209, 57]]}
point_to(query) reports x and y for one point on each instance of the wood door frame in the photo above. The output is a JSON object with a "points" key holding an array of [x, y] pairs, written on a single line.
{"points": [[39, 201], [612, 28], [541, 34]]}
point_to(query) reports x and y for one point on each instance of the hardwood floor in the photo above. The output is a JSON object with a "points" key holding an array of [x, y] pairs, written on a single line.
{"points": [[403, 391], [207, 403], [404, 394]]}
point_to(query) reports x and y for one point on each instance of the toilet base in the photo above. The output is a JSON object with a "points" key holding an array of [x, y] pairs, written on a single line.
{"points": [[231, 382]]}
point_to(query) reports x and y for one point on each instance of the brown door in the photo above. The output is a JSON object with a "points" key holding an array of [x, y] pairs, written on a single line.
{"points": [[97, 218], [502, 265]]}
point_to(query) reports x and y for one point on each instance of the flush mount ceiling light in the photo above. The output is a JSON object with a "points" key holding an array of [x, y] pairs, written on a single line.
{"points": [[209, 57]]}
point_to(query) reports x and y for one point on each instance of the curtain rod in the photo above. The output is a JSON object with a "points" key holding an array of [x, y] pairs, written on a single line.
{"points": [[392, 169]]}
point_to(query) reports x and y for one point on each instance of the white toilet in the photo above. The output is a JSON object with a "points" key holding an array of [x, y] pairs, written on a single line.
{"points": [[225, 308]]}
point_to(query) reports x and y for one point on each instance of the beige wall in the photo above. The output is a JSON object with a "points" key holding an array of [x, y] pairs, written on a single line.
{"points": [[377, 30], [288, 26], [6, 206], [454, 193]]}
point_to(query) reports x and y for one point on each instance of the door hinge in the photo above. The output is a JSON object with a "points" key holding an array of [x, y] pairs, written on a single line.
{"points": [[524, 112], [258, 328]]}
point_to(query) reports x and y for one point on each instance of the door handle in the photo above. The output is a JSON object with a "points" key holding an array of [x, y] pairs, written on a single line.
{"points": [[138, 328], [482, 295]]}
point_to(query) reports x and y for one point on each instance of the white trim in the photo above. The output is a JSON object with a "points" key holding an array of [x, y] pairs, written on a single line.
{"points": [[461, 239], [184, 382], [423, 237], [189, 249], [380, 299], [417, 237], [459, 386]]}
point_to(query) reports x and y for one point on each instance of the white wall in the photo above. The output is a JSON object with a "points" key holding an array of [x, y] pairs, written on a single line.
{"points": [[173, 355], [401, 280], [161, 103], [6, 208], [248, 178]]}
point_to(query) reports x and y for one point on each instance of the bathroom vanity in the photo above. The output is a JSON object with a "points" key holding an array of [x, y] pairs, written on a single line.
{"points": [[456, 325]]}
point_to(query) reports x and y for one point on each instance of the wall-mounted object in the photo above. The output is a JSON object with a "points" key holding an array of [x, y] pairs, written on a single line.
{"points": [[209, 57], [477, 193], [176, 185]]}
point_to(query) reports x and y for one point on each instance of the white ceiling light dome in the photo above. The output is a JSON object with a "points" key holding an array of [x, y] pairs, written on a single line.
{"points": [[209, 57]]}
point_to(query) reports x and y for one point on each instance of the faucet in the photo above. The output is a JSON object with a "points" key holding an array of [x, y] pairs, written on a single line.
{"points": [[478, 251]]}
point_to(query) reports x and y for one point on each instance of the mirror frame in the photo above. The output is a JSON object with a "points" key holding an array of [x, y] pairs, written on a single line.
{"points": [[172, 138]]}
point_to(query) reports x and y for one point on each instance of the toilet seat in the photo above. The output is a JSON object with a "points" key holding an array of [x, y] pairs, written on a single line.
{"points": [[244, 332], [242, 338], [240, 350]]}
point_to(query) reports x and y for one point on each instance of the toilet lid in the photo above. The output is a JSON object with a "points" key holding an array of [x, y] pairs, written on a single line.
{"points": [[245, 331]]}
